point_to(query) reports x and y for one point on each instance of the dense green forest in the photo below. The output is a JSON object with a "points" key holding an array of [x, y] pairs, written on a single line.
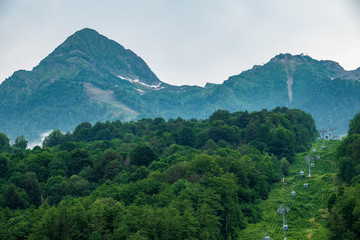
{"points": [[150, 179], [344, 205]]}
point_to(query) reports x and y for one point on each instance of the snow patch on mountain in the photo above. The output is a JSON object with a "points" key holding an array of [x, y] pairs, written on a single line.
{"points": [[154, 87], [139, 90], [129, 79]]}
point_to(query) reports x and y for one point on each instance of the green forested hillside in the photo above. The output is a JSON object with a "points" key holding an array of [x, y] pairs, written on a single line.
{"points": [[322, 88], [329, 207], [86, 78], [90, 78], [344, 205], [150, 179], [308, 215]]}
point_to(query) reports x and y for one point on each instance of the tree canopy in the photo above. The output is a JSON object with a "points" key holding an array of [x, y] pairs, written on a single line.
{"points": [[149, 179], [344, 205]]}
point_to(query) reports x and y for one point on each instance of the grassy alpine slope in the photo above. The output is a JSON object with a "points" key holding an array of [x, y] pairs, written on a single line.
{"points": [[308, 213]]}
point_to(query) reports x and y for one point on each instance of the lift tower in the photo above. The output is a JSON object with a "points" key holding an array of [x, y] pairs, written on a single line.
{"points": [[308, 159], [282, 210], [332, 130], [322, 133]]}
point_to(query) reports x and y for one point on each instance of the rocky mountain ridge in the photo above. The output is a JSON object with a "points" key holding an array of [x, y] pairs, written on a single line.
{"points": [[92, 78]]}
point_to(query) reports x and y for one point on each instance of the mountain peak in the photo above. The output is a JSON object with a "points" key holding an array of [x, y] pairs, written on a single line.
{"points": [[87, 40], [333, 68], [89, 50], [86, 31], [88, 35], [287, 57]]}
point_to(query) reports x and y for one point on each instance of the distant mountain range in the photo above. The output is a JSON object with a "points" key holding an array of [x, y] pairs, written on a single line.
{"points": [[92, 78]]}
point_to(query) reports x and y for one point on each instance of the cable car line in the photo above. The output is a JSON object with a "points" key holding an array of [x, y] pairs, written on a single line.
{"points": [[294, 195]]}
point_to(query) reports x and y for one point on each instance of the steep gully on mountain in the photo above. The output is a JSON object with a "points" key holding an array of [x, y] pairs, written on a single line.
{"points": [[290, 72]]}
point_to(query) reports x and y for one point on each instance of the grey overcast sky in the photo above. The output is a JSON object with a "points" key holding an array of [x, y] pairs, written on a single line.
{"points": [[189, 41]]}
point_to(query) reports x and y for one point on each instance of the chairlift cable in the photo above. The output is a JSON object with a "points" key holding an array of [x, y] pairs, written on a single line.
{"points": [[287, 199]]}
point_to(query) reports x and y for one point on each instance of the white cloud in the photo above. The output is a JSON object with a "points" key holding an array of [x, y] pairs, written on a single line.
{"points": [[39, 142]]}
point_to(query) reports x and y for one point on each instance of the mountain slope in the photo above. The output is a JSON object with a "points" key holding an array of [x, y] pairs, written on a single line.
{"points": [[92, 78], [71, 86], [322, 88]]}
